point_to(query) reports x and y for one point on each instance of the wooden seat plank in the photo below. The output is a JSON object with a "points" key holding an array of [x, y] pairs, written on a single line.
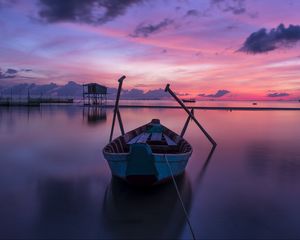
{"points": [[156, 136], [169, 141], [135, 139], [143, 138]]}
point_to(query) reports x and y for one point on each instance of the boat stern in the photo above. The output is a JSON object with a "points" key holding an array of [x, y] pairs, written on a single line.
{"points": [[141, 169]]}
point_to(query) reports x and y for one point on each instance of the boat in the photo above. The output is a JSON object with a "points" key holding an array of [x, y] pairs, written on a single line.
{"points": [[254, 103], [189, 100], [152, 214], [140, 155], [150, 154]]}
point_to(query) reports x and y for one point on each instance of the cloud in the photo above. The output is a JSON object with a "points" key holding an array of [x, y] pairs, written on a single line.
{"points": [[231, 27], [253, 15], [9, 73], [26, 70], [140, 85], [140, 94], [219, 93], [34, 89], [83, 11], [234, 6], [156, 94], [182, 94], [73, 89], [278, 95], [132, 94], [6, 3], [143, 30], [3, 76], [12, 73], [192, 13], [177, 8], [263, 41]]}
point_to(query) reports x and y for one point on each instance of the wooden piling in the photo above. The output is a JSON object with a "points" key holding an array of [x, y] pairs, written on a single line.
{"points": [[116, 109], [167, 89]]}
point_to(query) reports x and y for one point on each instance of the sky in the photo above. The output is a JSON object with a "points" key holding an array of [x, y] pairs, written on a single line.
{"points": [[223, 49]]}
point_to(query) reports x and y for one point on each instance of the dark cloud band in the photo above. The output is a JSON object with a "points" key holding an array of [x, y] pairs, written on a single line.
{"points": [[9, 73], [234, 6], [263, 41], [12, 73], [83, 11], [146, 30], [278, 95], [219, 93]]}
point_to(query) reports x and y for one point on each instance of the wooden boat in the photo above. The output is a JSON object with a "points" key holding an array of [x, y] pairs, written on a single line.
{"points": [[139, 156], [190, 100], [151, 153]]}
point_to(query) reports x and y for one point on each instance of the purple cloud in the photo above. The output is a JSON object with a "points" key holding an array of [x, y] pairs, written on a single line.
{"points": [[278, 95], [219, 93], [6, 3], [234, 6], [192, 13], [26, 70], [263, 41], [9, 73], [83, 11], [74, 89], [146, 30]]}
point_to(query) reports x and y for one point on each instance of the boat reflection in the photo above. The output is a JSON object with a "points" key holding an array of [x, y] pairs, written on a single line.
{"points": [[151, 213], [201, 174], [94, 115], [137, 213]]}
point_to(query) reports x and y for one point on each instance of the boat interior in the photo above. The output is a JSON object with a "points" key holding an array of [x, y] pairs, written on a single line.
{"points": [[157, 136]]}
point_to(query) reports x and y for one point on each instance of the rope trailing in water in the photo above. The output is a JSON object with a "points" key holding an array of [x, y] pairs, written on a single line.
{"points": [[180, 199]]}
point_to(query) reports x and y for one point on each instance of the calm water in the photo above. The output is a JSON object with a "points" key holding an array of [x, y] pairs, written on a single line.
{"points": [[278, 104], [55, 183]]}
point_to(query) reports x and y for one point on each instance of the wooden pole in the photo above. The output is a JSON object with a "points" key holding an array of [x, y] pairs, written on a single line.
{"points": [[116, 107], [120, 123], [186, 124], [83, 99], [167, 89]]}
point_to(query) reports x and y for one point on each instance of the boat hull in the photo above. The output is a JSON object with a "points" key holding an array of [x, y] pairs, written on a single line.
{"points": [[177, 162]]}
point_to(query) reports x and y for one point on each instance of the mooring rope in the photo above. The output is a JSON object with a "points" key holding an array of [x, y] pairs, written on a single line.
{"points": [[180, 199]]}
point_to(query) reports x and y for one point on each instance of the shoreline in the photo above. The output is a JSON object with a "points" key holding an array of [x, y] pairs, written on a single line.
{"points": [[160, 107]]}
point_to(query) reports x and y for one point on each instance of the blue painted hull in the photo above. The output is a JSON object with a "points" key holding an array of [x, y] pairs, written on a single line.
{"points": [[118, 164]]}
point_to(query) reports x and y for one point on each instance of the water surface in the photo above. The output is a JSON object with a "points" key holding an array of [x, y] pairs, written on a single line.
{"points": [[55, 183]]}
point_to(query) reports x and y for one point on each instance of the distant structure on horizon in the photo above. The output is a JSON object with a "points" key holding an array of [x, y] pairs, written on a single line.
{"points": [[94, 94], [189, 100]]}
